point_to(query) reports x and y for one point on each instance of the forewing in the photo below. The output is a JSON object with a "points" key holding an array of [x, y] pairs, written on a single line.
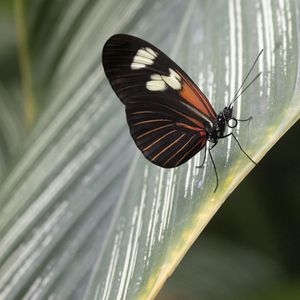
{"points": [[136, 68]]}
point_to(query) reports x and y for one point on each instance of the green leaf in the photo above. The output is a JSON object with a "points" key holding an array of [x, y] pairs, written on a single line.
{"points": [[83, 215], [11, 118]]}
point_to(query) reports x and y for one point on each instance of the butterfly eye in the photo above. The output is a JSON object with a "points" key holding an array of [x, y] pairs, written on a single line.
{"points": [[232, 123]]}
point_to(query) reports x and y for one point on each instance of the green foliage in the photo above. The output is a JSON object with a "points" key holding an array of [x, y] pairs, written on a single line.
{"points": [[83, 215]]}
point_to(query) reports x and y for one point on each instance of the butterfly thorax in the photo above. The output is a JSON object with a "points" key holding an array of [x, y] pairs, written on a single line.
{"points": [[219, 126]]}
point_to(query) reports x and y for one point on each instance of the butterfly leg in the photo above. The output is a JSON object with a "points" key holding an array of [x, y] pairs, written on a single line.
{"points": [[204, 158], [215, 169], [244, 120], [231, 134]]}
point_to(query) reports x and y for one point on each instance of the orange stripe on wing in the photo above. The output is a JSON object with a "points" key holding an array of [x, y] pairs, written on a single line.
{"points": [[179, 150], [187, 153], [165, 149], [193, 120], [189, 127], [143, 112], [196, 98], [149, 121], [153, 130], [145, 149]]}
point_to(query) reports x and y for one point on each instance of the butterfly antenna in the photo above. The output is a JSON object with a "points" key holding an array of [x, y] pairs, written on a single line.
{"points": [[237, 92], [237, 96]]}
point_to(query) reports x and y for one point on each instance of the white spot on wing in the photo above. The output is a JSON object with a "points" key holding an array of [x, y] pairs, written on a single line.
{"points": [[144, 56], [172, 80], [151, 51], [143, 60], [156, 77], [160, 82], [174, 74], [146, 52], [136, 66], [156, 85]]}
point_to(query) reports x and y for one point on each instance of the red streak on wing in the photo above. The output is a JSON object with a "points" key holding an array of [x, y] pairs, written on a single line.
{"points": [[195, 97], [193, 120], [192, 128]]}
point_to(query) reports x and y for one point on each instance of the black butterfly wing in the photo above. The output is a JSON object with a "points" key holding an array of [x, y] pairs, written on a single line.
{"points": [[167, 114], [165, 136]]}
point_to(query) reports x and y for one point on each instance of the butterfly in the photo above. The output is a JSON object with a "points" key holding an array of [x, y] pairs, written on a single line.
{"points": [[169, 117]]}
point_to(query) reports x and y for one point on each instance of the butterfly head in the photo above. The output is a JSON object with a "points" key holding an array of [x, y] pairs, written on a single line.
{"points": [[231, 122], [227, 112], [224, 119]]}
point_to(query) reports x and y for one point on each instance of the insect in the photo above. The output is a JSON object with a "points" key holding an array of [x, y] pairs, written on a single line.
{"points": [[169, 117]]}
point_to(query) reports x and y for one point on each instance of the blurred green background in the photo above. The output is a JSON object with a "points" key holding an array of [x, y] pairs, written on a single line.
{"points": [[250, 249]]}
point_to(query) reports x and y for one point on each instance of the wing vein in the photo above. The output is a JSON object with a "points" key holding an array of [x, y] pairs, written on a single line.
{"points": [[153, 130], [149, 121], [178, 151], [158, 140], [188, 152], [165, 149]]}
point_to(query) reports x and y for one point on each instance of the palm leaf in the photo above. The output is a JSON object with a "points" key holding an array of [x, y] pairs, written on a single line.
{"points": [[83, 215]]}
